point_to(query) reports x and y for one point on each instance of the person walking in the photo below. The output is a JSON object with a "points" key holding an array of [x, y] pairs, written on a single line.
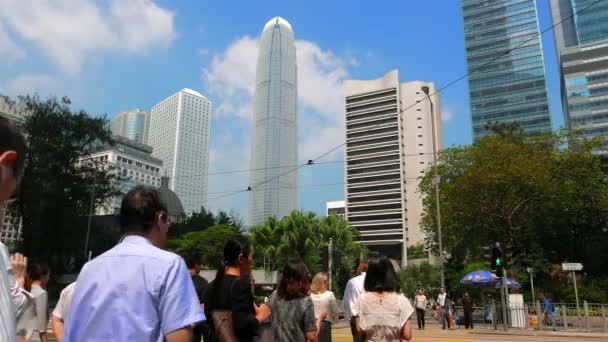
{"points": [[352, 292], [60, 313], [194, 262], [383, 314], [421, 303], [136, 291], [325, 304], [229, 301], [32, 325], [293, 311], [13, 300], [468, 308], [444, 308], [547, 310]]}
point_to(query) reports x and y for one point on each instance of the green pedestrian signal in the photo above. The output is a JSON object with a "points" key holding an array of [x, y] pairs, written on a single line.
{"points": [[498, 262]]}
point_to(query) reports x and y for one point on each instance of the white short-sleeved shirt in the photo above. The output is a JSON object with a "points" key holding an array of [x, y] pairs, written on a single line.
{"points": [[7, 309], [382, 317], [35, 318], [63, 305], [354, 289], [133, 292]]}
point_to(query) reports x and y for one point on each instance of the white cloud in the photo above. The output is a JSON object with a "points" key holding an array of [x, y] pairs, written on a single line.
{"points": [[447, 114], [8, 47], [69, 31], [231, 77], [30, 84]]}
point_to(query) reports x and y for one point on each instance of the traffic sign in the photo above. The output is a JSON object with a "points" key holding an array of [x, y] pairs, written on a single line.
{"points": [[572, 266]]}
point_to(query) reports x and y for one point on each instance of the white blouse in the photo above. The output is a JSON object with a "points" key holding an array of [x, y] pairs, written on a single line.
{"points": [[325, 301], [382, 317]]}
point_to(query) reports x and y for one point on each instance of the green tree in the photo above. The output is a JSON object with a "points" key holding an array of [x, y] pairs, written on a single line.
{"points": [[423, 275], [303, 235], [59, 180], [544, 194], [208, 243]]}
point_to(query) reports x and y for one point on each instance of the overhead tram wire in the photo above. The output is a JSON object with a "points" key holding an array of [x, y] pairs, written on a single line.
{"points": [[506, 52], [214, 173]]}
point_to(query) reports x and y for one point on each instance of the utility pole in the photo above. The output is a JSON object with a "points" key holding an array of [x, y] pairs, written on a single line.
{"points": [[426, 90], [330, 263], [531, 272], [86, 242]]}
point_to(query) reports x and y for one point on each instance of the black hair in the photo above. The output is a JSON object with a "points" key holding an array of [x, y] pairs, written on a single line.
{"points": [[380, 275], [12, 140], [235, 247], [35, 272], [192, 259], [293, 270], [139, 208]]}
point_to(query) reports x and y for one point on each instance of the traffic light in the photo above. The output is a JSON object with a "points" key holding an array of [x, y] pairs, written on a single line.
{"points": [[487, 255], [498, 259]]}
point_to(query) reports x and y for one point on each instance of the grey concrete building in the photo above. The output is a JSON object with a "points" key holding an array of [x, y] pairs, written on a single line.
{"points": [[389, 145]]}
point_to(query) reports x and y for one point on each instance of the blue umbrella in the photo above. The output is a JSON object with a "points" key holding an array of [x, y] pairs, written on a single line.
{"points": [[480, 277], [512, 284]]}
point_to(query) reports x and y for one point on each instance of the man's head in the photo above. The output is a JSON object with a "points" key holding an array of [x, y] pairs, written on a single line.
{"points": [[194, 262], [143, 213], [541, 296], [12, 158], [442, 290], [466, 295]]}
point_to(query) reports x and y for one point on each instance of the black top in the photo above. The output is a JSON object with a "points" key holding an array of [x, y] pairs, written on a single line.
{"points": [[234, 294], [467, 304], [200, 285]]}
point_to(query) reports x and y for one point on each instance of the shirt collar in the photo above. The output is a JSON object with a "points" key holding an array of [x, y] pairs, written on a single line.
{"points": [[136, 239]]}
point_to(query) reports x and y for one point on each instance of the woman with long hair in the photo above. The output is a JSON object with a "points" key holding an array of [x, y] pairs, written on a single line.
{"points": [[229, 302], [293, 313], [383, 313], [325, 305], [33, 323], [421, 303]]}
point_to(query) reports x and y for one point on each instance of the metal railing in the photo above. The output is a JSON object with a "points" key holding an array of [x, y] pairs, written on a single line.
{"points": [[588, 317]]}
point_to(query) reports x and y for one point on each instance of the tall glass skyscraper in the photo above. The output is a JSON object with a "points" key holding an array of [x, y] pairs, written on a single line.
{"points": [[274, 141], [132, 124], [582, 48], [180, 131], [505, 85]]}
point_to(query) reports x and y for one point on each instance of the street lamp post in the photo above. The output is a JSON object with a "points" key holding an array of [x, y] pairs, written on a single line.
{"points": [[426, 90]]}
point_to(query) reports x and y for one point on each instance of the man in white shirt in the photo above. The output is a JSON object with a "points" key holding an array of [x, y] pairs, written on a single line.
{"points": [[12, 300], [354, 289], [443, 310], [60, 314]]}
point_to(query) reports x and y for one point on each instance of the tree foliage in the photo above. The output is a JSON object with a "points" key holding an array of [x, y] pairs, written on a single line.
{"points": [[55, 188], [208, 243], [203, 220], [302, 235], [423, 275], [546, 195]]}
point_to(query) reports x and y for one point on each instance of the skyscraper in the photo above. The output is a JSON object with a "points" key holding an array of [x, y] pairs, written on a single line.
{"points": [[180, 128], [582, 49], [274, 139], [132, 124], [506, 84], [389, 146]]}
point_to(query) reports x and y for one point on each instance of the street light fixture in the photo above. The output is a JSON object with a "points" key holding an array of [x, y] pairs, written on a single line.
{"points": [[426, 90]]}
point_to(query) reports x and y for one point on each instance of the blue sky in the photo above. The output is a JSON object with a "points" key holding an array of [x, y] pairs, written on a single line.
{"points": [[110, 56]]}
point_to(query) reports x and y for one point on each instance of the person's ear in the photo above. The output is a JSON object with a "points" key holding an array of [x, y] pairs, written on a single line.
{"points": [[7, 162]]}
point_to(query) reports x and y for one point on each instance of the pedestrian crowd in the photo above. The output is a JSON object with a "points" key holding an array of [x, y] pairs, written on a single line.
{"points": [[138, 291]]}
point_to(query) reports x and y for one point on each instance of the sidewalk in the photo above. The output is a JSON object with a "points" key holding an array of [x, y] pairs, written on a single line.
{"points": [[518, 332]]}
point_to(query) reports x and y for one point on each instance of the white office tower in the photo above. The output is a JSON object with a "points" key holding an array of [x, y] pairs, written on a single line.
{"points": [[274, 149], [389, 146], [180, 128]]}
